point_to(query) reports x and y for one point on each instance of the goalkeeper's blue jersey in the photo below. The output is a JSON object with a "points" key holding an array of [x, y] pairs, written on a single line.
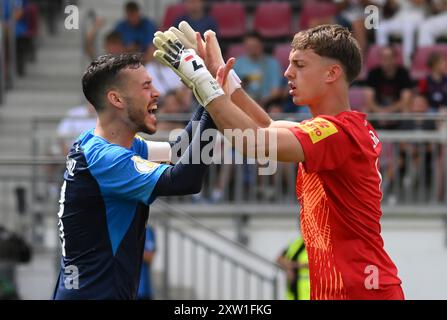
{"points": [[104, 208]]}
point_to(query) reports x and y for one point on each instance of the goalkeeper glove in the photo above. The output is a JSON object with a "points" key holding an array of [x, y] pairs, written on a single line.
{"points": [[187, 36], [188, 66]]}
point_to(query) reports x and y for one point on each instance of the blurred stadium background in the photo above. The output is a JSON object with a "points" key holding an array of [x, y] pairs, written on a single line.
{"points": [[257, 216]]}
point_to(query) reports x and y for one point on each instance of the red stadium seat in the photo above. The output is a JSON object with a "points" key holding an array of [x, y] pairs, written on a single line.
{"points": [[281, 53], [231, 19], [235, 50], [171, 14], [315, 10], [357, 98], [419, 67], [273, 19]]}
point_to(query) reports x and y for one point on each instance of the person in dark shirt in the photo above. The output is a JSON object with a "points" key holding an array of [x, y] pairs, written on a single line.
{"points": [[434, 86], [389, 88], [197, 17], [421, 154], [137, 31]]}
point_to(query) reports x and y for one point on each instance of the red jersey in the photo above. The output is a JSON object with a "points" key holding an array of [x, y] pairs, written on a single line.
{"points": [[338, 187]]}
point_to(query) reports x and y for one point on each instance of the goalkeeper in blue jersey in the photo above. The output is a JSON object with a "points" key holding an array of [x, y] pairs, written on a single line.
{"points": [[111, 179]]}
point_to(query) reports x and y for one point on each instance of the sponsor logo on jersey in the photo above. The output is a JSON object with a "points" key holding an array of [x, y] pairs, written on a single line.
{"points": [[144, 166], [71, 165], [318, 129]]}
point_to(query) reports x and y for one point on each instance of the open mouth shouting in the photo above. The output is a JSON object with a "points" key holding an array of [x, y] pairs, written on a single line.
{"points": [[292, 88], [152, 108]]}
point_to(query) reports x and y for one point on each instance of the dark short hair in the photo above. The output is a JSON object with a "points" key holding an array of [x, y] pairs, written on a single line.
{"points": [[253, 34], [132, 6], [103, 74], [335, 42], [113, 36]]}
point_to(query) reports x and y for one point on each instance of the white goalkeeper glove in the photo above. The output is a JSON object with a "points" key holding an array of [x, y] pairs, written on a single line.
{"points": [[212, 55], [188, 66]]}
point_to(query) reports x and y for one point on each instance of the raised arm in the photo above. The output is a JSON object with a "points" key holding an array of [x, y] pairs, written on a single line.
{"points": [[209, 50], [186, 177], [279, 144]]}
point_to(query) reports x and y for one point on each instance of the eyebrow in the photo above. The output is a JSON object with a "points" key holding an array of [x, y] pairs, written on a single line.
{"points": [[297, 60], [147, 82]]}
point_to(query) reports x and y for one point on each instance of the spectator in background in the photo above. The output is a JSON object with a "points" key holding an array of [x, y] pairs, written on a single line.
{"points": [[405, 16], [295, 263], [77, 120], [4, 20], [145, 289], [169, 104], [389, 88], [21, 34], [435, 25], [113, 42], [418, 105], [419, 169], [197, 17], [260, 73], [136, 31], [351, 14], [434, 86]]}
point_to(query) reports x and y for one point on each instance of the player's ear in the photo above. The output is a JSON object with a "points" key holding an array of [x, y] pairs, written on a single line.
{"points": [[115, 99], [335, 71]]}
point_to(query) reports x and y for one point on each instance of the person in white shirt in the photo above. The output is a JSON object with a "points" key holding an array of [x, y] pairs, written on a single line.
{"points": [[404, 22], [434, 26]]}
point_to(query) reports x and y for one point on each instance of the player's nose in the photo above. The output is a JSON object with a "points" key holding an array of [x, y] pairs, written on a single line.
{"points": [[288, 73], [155, 93]]}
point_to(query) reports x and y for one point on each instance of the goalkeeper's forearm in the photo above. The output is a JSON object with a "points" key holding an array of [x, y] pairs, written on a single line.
{"points": [[185, 177], [187, 132], [251, 108]]}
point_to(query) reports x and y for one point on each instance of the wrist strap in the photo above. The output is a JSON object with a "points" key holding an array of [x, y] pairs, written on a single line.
{"points": [[233, 82]]}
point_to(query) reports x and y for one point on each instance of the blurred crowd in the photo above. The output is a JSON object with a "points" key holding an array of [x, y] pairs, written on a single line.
{"points": [[20, 22], [405, 57]]}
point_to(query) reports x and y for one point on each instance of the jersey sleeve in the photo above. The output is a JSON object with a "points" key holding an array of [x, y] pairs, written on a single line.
{"points": [[326, 146], [140, 147], [124, 174]]}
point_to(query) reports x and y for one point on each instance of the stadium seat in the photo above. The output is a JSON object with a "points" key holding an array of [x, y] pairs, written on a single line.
{"points": [[419, 67], [281, 53], [231, 19], [273, 19], [357, 98], [235, 50], [171, 14], [315, 10]]}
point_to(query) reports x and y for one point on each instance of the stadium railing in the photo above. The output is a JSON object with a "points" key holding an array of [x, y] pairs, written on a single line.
{"points": [[201, 263]]}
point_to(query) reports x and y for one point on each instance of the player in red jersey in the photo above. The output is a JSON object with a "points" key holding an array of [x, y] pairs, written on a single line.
{"points": [[338, 182]]}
